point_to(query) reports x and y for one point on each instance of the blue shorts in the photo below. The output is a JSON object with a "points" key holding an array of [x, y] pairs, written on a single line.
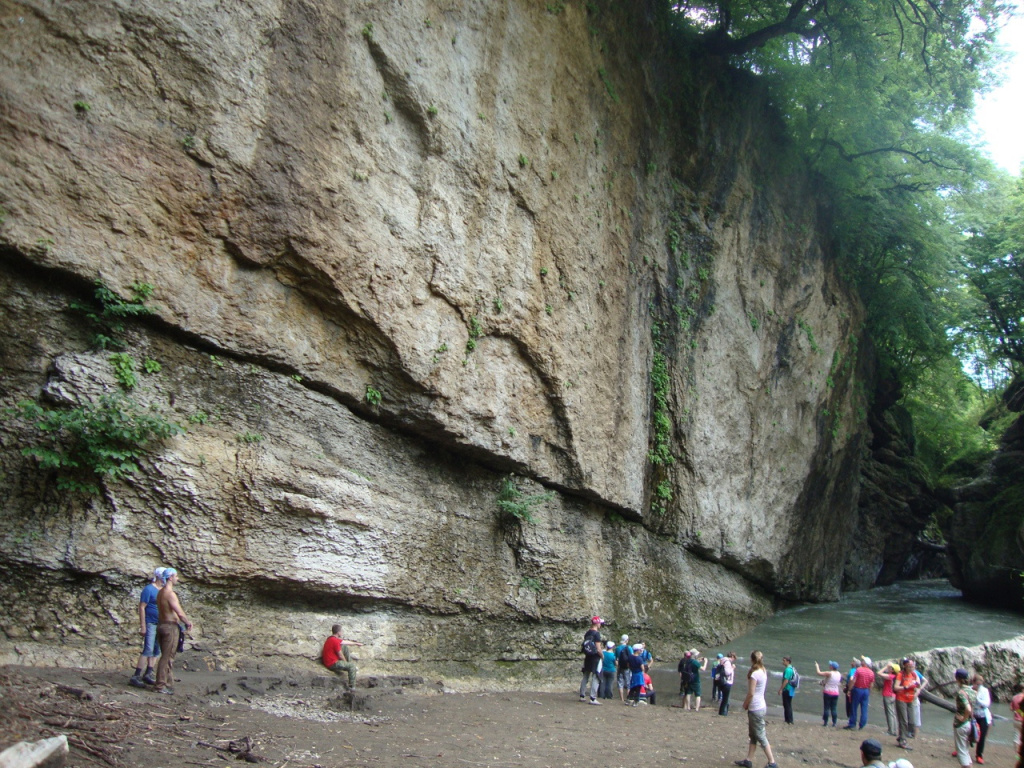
{"points": [[150, 647]]}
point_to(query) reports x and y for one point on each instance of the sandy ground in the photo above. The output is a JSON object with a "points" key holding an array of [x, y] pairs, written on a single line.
{"points": [[302, 720]]}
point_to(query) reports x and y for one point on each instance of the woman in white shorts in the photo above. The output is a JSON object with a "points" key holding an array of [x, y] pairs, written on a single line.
{"points": [[754, 703]]}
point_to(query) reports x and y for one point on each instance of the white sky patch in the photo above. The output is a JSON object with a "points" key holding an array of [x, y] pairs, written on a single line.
{"points": [[999, 115]]}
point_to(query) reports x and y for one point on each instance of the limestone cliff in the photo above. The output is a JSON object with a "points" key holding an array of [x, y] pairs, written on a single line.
{"points": [[399, 251]]}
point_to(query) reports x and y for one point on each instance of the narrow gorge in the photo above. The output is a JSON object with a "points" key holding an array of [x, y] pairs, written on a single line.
{"points": [[400, 261]]}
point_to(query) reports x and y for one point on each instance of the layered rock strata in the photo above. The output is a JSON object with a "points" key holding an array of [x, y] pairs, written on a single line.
{"points": [[399, 251]]}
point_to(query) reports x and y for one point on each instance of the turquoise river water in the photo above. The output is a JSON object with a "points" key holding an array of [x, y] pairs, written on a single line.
{"points": [[882, 623]]}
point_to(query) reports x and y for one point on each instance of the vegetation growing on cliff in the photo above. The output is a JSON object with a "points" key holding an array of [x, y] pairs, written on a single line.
{"points": [[877, 96], [93, 442]]}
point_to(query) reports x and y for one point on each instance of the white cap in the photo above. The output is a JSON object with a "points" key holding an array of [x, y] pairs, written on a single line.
{"points": [[901, 763], [638, 647]]}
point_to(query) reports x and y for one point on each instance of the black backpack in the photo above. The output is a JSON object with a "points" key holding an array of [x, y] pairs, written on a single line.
{"points": [[685, 672], [590, 647]]}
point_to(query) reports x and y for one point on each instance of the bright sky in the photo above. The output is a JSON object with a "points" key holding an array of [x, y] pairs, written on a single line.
{"points": [[999, 116]]}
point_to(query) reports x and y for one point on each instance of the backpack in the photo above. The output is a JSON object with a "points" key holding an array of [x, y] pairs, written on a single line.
{"points": [[623, 658], [685, 672], [590, 647], [795, 682]]}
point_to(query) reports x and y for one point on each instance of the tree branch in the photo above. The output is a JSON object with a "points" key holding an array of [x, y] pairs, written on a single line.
{"points": [[799, 20]]}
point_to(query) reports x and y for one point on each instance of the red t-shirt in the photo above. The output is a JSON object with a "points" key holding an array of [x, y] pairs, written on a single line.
{"points": [[332, 651], [864, 677], [888, 678]]}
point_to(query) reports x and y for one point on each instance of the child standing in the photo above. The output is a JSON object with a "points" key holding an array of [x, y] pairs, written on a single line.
{"points": [[636, 679]]}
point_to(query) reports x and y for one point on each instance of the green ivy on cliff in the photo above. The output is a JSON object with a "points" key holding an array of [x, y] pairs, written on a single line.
{"points": [[94, 442]]}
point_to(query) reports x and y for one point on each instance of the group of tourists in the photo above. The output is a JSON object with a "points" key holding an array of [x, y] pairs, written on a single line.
{"points": [[607, 665]]}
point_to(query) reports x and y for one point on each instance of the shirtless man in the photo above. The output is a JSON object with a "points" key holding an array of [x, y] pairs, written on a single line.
{"points": [[167, 629]]}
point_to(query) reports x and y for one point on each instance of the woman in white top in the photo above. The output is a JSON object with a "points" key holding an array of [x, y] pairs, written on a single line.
{"points": [[832, 680], [754, 703], [981, 714]]}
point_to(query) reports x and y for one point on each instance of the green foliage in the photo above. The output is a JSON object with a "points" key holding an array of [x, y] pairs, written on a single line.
{"points": [[82, 107], [94, 442], [432, 110], [946, 407], [124, 369], [555, 8], [607, 84], [523, 160], [532, 584], [754, 322], [368, 31], [663, 491], [514, 503], [802, 324], [250, 438], [188, 141], [373, 396], [661, 452], [149, 365], [199, 417], [992, 264], [475, 332], [108, 312]]}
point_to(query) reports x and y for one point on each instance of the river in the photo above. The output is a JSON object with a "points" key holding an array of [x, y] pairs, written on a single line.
{"points": [[882, 623]]}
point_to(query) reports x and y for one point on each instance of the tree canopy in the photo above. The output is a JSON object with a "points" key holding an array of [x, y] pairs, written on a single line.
{"points": [[878, 96]]}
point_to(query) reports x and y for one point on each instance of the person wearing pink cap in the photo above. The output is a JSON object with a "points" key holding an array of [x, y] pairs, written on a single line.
{"points": [[592, 660]]}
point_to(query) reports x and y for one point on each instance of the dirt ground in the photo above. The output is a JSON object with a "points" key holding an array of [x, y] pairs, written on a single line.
{"points": [[306, 720]]}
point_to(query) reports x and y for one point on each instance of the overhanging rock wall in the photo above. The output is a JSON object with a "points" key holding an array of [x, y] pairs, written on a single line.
{"points": [[551, 245]]}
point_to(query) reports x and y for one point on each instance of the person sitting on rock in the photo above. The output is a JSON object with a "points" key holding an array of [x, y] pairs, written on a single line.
{"points": [[335, 655]]}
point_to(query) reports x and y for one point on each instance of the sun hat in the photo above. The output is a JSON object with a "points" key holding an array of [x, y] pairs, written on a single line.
{"points": [[719, 656], [961, 674], [834, 664], [158, 574], [895, 667], [168, 572], [871, 748], [638, 647], [610, 644], [901, 763], [867, 660], [624, 639]]}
